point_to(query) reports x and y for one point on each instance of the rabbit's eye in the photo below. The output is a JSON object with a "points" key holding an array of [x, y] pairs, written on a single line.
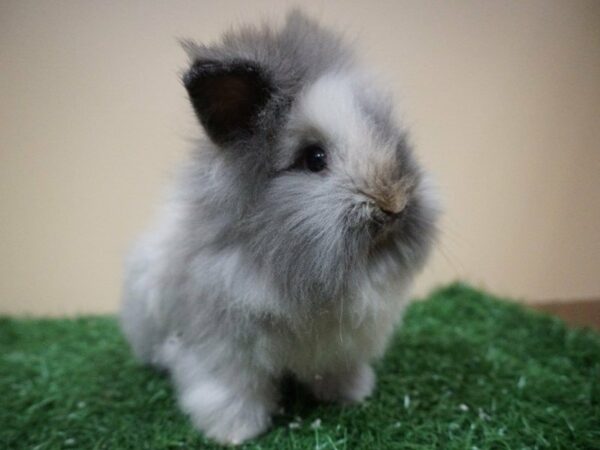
{"points": [[314, 158]]}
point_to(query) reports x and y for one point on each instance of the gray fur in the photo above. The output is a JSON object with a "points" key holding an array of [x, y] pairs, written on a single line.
{"points": [[253, 270]]}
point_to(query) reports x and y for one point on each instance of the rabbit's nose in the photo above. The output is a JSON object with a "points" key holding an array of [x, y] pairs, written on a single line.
{"points": [[385, 216], [392, 206], [391, 215]]}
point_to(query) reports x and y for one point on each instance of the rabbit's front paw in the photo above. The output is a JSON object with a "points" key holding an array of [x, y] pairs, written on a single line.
{"points": [[228, 416], [347, 386]]}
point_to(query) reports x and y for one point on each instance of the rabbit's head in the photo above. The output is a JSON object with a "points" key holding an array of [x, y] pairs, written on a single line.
{"points": [[310, 175]]}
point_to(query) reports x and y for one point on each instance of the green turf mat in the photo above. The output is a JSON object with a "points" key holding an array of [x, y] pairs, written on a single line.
{"points": [[467, 371]]}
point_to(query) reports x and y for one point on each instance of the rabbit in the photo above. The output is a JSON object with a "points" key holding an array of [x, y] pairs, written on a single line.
{"points": [[290, 237]]}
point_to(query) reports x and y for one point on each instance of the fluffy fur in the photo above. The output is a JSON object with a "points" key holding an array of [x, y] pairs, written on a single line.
{"points": [[257, 267]]}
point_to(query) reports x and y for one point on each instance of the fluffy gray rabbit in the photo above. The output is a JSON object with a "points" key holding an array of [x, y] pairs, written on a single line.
{"points": [[290, 238]]}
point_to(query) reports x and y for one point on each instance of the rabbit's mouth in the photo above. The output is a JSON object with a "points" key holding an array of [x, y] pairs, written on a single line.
{"points": [[374, 225], [384, 225]]}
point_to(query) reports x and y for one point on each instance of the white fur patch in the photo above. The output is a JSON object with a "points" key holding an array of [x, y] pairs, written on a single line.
{"points": [[329, 107]]}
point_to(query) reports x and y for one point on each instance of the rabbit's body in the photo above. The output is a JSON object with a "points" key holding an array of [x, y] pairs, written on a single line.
{"points": [[290, 238]]}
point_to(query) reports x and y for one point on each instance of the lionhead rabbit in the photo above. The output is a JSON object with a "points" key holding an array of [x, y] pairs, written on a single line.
{"points": [[290, 238]]}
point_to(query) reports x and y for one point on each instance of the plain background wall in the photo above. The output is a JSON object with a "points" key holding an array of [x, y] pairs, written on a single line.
{"points": [[502, 97]]}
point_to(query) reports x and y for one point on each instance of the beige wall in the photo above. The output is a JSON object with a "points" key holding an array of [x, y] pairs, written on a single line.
{"points": [[503, 99]]}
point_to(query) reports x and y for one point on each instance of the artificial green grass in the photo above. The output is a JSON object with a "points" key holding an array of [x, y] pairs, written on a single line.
{"points": [[467, 371]]}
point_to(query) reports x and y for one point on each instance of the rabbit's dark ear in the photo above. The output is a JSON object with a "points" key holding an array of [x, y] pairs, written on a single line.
{"points": [[227, 97]]}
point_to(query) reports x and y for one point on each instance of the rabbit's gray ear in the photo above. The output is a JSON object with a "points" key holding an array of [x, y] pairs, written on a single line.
{"points": [[227, 97]]}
